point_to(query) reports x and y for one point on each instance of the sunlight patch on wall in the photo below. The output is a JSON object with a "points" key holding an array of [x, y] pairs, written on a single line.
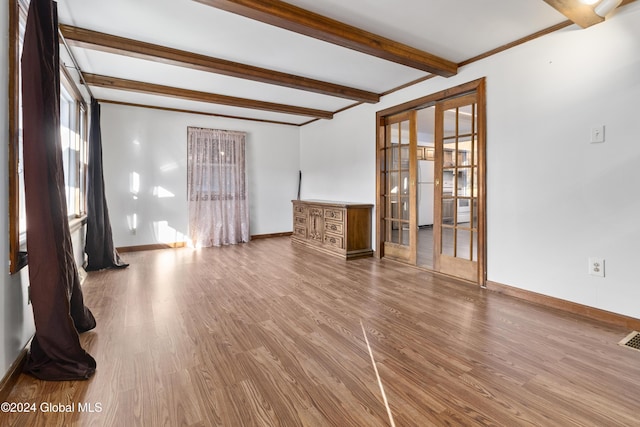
{"points": [[134, 183], [132, 221], [164, 233], [169, 167], [162, 193]]}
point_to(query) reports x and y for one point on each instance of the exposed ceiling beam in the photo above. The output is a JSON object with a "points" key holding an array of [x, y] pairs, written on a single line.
{"points": [[293, 18], [122, 46], [193, 95], [202, 113]]}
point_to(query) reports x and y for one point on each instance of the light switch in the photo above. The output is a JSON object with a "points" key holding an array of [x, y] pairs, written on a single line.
{"points": [[597, 134]]}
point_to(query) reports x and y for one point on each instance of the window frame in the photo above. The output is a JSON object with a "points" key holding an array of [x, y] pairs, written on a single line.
{"points": [[17, 13]]}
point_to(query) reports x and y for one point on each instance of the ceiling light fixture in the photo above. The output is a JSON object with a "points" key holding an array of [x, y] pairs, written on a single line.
{"points": [[586, 13], [602, 7], [606, 7]]}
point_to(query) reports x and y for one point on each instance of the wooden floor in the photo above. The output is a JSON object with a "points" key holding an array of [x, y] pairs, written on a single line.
{"points": [[425, 247], [270, 334]]}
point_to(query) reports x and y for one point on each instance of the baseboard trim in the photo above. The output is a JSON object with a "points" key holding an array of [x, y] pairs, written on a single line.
{"points": [[152, 247], [567, 306], [174, 245], [268, 236], [11, 377]]}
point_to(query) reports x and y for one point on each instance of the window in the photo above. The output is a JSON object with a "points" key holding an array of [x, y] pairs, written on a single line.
{"points": [[216, 187], [73, 127]]}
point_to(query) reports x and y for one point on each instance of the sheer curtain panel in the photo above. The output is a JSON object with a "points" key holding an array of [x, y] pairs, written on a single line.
{"points": [[217, 189]]}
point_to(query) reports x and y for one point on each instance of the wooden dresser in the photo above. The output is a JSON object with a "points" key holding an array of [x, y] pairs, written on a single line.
{"points": [[336, 228]]}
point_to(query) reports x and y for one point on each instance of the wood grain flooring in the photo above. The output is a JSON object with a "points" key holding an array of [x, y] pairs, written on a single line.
{"points": [[271, 334]]}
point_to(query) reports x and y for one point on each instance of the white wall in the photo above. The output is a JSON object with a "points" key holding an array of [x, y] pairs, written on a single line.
{"points": [[553, 199], [153, 144]]}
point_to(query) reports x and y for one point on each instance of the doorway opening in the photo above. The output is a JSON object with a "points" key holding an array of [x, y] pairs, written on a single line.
{"points": [[425, 185], [431, 182]]}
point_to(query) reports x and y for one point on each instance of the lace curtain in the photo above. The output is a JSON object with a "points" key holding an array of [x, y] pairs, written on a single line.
{"points": [[216, 186]]}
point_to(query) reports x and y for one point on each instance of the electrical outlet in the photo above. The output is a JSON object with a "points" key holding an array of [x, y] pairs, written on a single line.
{"points": [[596, 266]]}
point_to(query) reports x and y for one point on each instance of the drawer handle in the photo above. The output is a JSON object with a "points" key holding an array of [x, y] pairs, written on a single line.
{"points": [[333, 227]]}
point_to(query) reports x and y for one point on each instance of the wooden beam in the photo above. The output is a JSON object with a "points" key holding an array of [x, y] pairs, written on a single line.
{"points": [[514, 43], [581, 14], [202, 113], [293, 18], [193, 95], [89, 39]]}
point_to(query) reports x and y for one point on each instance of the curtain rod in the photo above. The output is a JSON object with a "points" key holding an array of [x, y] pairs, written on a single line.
{"points": [[75, 63], [220, 130]]}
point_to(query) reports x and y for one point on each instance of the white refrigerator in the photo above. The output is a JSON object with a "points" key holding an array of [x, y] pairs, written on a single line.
{"points": [[425, 192]]}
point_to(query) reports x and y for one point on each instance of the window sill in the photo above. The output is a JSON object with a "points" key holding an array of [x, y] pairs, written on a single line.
{"points": [[74, 225]]}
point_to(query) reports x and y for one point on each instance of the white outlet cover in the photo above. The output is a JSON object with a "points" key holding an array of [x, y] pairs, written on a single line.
{"points": [[596, 266]]}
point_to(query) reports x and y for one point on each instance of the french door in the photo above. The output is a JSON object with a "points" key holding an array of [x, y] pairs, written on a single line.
{"points": [[458, 228], [399, 196]]}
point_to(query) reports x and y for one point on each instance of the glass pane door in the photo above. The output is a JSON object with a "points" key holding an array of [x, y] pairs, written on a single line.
{"points": [[399, 195], [456, 229]]}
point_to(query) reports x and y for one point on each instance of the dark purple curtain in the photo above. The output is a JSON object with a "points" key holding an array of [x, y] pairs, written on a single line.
{"points": [[99, 244], [58, 306]]}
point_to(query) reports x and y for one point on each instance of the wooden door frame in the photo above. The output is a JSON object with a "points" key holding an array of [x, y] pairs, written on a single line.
{"points": [[478, 86]]}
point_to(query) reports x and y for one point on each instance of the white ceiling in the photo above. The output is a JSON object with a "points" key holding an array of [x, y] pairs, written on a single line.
{"points": [[456, 30]]}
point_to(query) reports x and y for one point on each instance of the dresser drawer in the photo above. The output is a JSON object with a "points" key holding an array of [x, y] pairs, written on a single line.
{"points": [[300, 210], [334, 227], [300, 232], [331, 240], [300, 221], [336, 214]]}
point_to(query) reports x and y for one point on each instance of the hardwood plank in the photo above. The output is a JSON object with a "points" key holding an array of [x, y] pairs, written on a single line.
{"points": [[6, 383], [89, 39], [193, 95], [258, 334], [293, 18]]}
